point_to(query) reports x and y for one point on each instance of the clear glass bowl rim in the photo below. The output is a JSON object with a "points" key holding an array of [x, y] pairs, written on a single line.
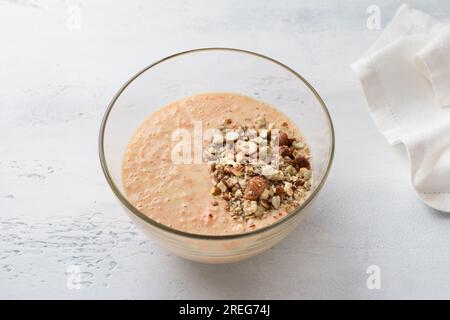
{"points": [[163, 227]]}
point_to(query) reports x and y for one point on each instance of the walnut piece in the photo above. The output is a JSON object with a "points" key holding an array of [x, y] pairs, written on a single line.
{"points": [[255, 187]]}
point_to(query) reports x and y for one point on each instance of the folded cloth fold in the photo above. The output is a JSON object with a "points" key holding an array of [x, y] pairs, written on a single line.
{"points": [[435, 56], [405, 76]]}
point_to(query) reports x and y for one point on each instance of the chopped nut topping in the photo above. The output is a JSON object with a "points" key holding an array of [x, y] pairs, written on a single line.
{"points": [[253, 174]]}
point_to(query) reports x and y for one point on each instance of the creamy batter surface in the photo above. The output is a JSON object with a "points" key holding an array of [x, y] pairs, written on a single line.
{"points": [[186, 196]]}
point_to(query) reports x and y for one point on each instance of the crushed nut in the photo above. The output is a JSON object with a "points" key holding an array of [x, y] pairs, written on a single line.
{"points": [[285, 151], [215, 191], [283, 138], [276, 202], [298, 145], [305, 173], [237, 171], [255, 187], [222, 187], [250, 207], [300, 162], [265, 195], [230, 182], [232, 136]]}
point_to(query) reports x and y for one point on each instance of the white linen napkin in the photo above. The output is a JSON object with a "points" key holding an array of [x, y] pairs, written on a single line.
{"points": [[405, 76], [435, 57]]}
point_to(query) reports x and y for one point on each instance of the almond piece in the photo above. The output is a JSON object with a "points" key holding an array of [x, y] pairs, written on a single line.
{"points": [[226, 196], [227, 122], [240, 158], [265, 204], [288, 189], [222, 187], [242, 182], [286, 151], [231, 181], [250, 207], [260, 122], [237, 171], [255, 187], [265, 194], [252, 148], [215, 191], [301, 162], [283, 139], [276, 202]]}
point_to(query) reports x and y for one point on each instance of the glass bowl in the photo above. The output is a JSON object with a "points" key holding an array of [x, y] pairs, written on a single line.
{"points": [[216, 70]]}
